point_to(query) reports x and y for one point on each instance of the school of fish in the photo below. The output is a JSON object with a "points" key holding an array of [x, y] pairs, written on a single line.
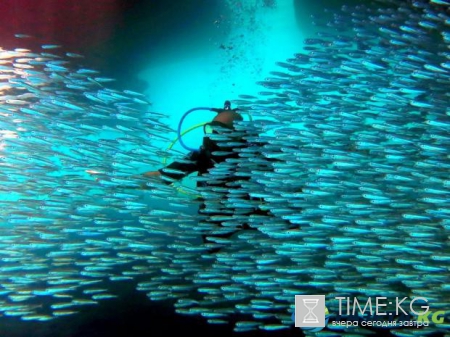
{"points": [[349, 162]]}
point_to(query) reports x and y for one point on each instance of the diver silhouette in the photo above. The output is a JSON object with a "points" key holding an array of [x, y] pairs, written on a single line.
{"points": [[206, 158]]}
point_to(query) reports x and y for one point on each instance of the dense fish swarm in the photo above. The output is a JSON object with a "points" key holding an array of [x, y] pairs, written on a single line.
{"points": [[68, 148], [350, 159], [353, 168]]}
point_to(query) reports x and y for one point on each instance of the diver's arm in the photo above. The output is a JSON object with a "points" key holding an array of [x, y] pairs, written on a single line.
{"points": [[177, 170], [167, 177]]}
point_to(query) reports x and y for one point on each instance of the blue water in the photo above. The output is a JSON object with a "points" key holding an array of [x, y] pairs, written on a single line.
{"points": [[182, 54]]}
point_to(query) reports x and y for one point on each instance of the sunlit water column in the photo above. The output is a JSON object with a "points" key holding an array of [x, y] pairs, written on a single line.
{"points": [[255, 34]]}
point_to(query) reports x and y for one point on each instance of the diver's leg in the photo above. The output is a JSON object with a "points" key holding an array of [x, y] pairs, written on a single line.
{"points": [[209, 238]]}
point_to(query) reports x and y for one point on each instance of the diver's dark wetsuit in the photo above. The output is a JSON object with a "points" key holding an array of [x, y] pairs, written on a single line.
{"points": [[200, 161], [203, 160]]}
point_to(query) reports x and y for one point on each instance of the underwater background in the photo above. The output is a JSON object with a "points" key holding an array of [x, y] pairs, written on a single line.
{"points": [[350, 98]]}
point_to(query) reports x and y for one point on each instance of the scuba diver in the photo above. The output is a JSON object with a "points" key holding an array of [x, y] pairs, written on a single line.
{"points": [[207, 157], [202, 160]]}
